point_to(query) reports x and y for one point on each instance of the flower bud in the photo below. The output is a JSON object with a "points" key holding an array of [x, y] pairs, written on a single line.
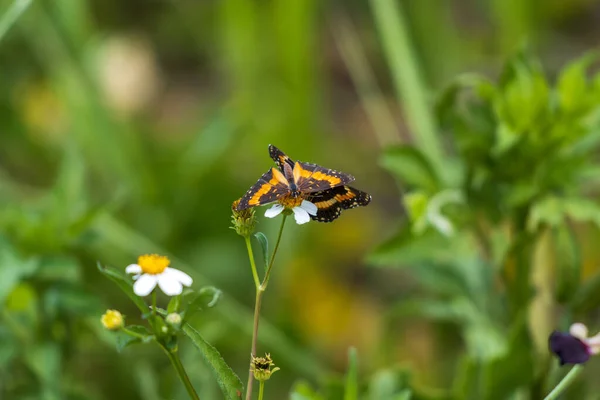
{"points": [[112, 320], [243, 221], [261, 367], [174, 319]]}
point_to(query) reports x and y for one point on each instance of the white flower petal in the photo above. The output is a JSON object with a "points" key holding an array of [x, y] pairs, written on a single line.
{"points": [[180, 276], [144, 285], [309, 207], [301, 215], [133, 269], [579, 330], [274, 211], [169, 285]]}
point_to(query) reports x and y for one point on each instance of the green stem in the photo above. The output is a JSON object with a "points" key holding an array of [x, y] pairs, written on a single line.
{"points": [[174, 357], [154, 302], [252, 262], [397, 46], [260, 289], [132, 333], [257, 304], [565, 382], [261, 390]]}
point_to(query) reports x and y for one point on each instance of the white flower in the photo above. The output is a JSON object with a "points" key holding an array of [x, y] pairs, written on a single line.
{"points": [[580, 331], [302, 212], [153, 269]]}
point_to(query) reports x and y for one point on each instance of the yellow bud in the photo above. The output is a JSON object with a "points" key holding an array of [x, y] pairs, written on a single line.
{"points": [[112, 320]]}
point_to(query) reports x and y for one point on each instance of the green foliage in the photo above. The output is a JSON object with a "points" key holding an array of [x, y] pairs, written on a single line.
{"points": [[521, 152], [264, 245], [204, 298], [230, 384]]}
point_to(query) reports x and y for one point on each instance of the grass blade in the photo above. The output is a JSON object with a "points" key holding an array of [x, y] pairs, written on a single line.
{"points": [[351, 387], [11, 16], [389, 20]]}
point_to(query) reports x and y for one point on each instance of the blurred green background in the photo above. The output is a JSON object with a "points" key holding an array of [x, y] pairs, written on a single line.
{"points": [[130, 128]]}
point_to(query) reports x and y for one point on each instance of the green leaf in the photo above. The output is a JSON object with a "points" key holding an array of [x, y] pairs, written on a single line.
{"points": [[448, 101], [206, 297], [264, 244], [124, 339], [228, 381], [351, 387], [548, 210], [583, 210], [572, 85], [416, 203], [524, 98], [411, 167], [174, 304], [124, 283], [506, 138], [552, 210]]}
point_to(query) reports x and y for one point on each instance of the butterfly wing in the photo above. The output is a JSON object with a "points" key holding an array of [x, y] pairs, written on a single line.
{"points": [[270, 187], [310, 178], [280, 157], [331, 202]]}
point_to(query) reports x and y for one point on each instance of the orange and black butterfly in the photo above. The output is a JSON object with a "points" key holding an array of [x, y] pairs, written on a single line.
{"points": [[293, 182]]}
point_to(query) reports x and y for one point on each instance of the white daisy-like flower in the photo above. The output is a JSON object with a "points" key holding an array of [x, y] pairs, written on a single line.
{"points": [[302, 212], [152, 270]]}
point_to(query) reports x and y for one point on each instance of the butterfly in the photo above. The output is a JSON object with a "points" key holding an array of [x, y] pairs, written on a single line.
{"points": [[295, 181]]}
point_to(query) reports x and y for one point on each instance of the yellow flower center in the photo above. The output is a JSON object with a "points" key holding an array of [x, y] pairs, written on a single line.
{"points": [[153, 263], [290, 201], [112, 320]]}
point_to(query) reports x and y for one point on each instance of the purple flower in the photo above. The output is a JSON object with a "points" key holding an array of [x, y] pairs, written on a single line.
{"points": [[574, 347]]}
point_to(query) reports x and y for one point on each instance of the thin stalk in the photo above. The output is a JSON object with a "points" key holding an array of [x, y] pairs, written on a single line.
{"points": [[252, 263], [132, 333], [565, 382], [398, 49], [260, 289], [174, 357], [154, 302], [261, 390], [257, 304]]}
